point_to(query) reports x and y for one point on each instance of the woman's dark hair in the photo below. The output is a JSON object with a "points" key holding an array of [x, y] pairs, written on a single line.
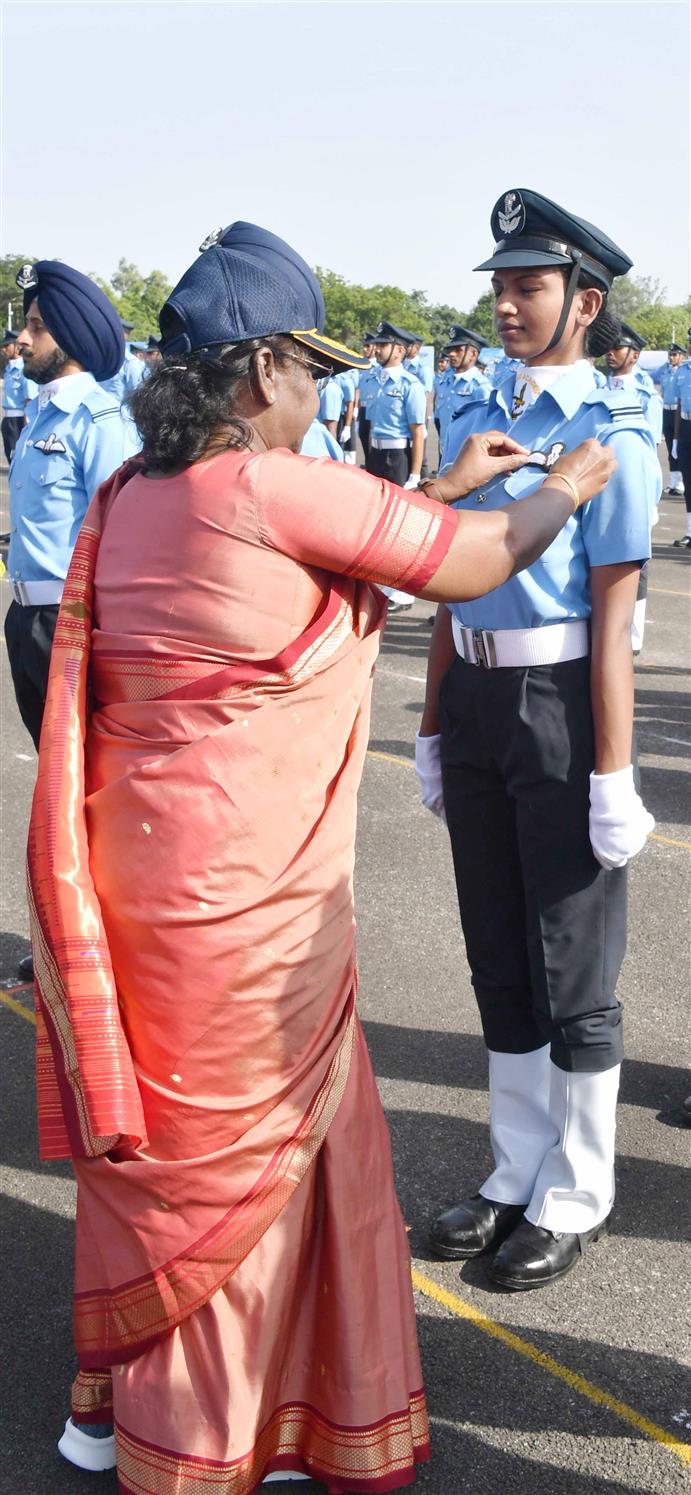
{"points": [[188, 400], [599, 335]]}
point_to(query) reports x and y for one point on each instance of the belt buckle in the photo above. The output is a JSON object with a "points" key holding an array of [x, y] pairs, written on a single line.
{"points": [[480, 647], [19, 592]]}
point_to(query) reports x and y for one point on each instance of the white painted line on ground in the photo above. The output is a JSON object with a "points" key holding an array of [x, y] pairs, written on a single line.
{"points": [[683, 741]]}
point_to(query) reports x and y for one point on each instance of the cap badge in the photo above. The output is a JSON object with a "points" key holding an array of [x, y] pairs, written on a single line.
{"points": [[512, 219], [27, 277], [211, 239]]}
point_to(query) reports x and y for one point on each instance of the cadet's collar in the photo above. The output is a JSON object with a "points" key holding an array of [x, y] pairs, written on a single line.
{"points": [[67, 393], [575, 382], [395, 373]]}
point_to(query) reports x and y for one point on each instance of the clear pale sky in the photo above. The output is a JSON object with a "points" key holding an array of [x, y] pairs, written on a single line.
{"points": [[374, 137]]}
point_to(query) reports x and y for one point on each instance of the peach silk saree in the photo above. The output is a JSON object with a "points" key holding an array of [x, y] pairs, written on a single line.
{"points": [[242, 1297]]}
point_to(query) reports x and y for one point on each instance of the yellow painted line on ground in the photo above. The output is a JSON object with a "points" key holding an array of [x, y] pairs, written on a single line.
{"points": [[409, 763], [571, 1378], [668, 592], [16, 1007]]}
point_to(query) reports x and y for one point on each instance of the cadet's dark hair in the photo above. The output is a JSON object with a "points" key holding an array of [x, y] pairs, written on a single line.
{"points": [[188, 400], [599, 333]]}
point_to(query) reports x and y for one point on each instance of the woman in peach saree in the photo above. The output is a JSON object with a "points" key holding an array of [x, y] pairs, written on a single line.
{"points": [[243, 1305]]}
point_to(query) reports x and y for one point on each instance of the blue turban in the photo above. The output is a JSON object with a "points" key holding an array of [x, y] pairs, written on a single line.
{"points": [[77, 314]]}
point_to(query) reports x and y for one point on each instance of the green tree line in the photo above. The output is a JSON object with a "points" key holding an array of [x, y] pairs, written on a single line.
{"points": [[352, 310]]}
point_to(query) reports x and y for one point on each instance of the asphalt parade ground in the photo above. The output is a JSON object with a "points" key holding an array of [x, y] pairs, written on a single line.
{"points": [[580, 1388]]}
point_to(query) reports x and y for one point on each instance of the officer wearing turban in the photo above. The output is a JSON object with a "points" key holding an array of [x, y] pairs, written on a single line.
{"points": [[74, 439]]}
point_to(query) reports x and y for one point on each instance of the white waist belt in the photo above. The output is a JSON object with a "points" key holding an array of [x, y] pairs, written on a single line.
{"points": [[669, 407], [36, 593], [388, 444], [506, 647], [684, 416]]}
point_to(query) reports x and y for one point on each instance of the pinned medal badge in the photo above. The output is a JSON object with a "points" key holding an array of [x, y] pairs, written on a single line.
{"points": [[50, 444], [211, 239], [512, 219], [26, 278], [547, 459]]}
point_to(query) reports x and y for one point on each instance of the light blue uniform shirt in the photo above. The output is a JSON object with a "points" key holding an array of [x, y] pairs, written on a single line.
{"points": [[73, 443], [347, 384], [683, 389], [613, 529], [502, 369], [648, 398], [368, 384], [129, 375], [460, 389], [331, 401], [16, 388], [423, 371], [318, 442], [397, 404], [666, 380], [600, 378]]}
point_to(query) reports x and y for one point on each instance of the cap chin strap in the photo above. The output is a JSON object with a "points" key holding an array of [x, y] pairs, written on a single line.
{"points": [[571, 287]]}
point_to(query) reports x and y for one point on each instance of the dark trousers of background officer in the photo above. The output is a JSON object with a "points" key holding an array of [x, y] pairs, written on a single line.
{"points": [[11, 431], [683, 462], [394, 465], [544, 924], [29, 636], [363, 433]]}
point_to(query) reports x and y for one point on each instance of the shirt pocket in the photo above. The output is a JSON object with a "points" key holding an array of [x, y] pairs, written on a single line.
{"points": [[524, 482], [54, 471]]}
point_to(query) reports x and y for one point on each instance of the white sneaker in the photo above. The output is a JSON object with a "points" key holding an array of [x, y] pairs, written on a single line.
{"points": [[283, 1474], [85, 1451]]}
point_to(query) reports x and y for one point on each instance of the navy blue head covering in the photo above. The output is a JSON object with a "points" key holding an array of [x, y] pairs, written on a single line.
{"points": [[462, 337], [387, 333], [77, 314], [10, 337], [676, 348], [531, 230], [247, 283], [629, 338]]}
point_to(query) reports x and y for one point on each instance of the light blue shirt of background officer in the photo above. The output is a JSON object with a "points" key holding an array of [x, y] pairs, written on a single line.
{"points": [[17, 390], [419, 366], [318, 442], [74, 440], [130, 373], [665, 376], [331, 404], [503, 369], [396, 411], [466, 380], [569, 410], [681, 444], [623, 374]]}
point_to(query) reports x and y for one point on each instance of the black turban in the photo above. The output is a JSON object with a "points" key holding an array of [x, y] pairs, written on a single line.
{"points": [[77, 314]]}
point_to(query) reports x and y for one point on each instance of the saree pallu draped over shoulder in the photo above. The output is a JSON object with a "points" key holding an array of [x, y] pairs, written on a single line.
{"points": [[239, 1304]]}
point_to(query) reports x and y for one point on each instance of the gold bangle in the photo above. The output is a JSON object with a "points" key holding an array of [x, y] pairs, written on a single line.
{"points": [[575, 495]]}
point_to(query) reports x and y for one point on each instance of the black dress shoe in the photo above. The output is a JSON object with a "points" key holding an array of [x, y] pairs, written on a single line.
{"points": [[472, 1226], [25, 968], [684, 543], [533, 1257], [686, 1110]]}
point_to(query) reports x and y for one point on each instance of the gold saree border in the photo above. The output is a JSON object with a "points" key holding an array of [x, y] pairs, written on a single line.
{"points": [[115, 1325], [376, 1458]]}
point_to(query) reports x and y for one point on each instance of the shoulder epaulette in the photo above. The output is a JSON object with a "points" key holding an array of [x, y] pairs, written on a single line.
{"points": [[100, 403]]}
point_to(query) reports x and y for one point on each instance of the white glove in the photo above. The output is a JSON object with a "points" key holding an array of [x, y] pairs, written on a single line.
{"points": [[413, 480], [345, 435], [619, 822], [428, 770], [675, 453]]}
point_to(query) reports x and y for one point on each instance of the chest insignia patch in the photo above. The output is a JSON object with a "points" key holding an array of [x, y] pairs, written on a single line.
{"points": [[50, 444]]}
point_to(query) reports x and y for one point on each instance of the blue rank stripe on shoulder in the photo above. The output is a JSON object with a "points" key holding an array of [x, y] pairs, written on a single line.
{"points": [[101, 414], [625, 411]]}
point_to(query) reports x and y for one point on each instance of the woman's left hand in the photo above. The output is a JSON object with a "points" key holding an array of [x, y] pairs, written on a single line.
{"points": [[619, 822], [482, 457]]}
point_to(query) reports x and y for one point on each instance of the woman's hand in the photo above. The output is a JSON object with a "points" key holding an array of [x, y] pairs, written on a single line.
{"points": [[482, 457], [588, 468]]}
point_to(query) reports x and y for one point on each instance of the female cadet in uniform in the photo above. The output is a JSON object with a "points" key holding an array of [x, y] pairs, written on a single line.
{"points": [[526, 744]]}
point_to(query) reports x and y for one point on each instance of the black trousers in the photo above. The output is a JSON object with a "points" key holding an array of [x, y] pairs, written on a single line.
{"points": [[392, 465], [11, 431], [544, 924], [363, 433], [683, 462], [29, 636]]}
